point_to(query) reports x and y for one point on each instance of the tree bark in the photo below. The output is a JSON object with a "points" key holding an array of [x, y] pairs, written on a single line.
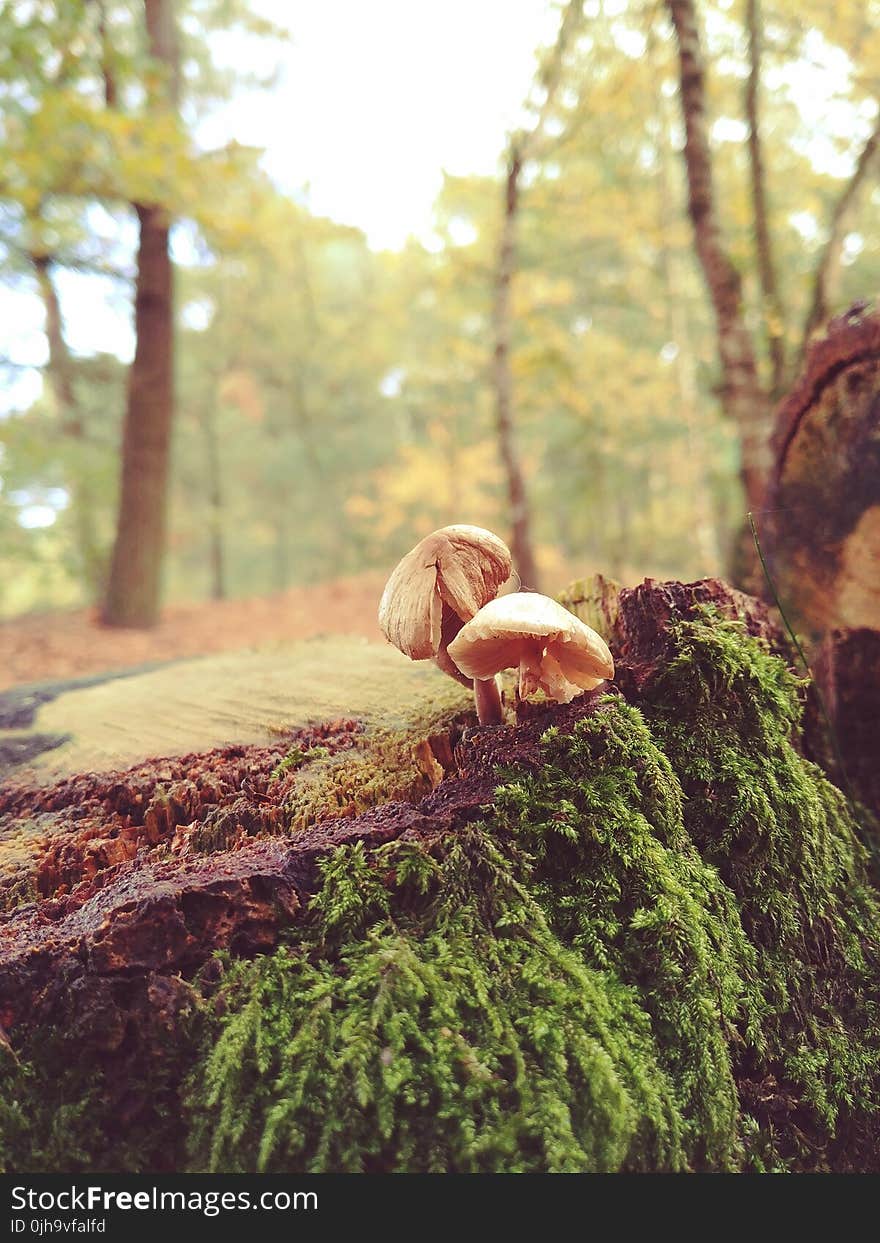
{"points": [[827, 273], [823, 524], [217, 559], [60, 369], [517, 499], [742, 395], [134, 586], [846, 672], [60, 372], [706, 527], [774, 323]]}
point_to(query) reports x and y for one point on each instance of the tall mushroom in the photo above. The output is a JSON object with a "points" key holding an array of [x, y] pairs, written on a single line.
{"points": [[553, 649], [435, 589]]}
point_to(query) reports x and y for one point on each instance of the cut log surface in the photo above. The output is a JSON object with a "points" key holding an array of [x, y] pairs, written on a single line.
{"points": [[823, 519], [245, 697]]}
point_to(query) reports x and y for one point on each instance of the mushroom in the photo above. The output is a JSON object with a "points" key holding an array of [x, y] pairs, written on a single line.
{"points": [[553, 649], [437, 587]]}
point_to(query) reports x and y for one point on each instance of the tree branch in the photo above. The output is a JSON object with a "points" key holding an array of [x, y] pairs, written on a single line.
{"points": [[772, 306], [827, 273]]}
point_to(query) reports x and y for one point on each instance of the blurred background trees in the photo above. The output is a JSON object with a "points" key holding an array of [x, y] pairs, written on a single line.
{"points": [[333, 401]]}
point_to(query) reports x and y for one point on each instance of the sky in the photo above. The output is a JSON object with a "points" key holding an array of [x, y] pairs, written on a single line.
{"points": [[378, 98]]}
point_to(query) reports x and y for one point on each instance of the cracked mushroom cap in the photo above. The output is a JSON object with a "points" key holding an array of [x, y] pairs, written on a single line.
{"points": [[553, 649], [439, 584]]}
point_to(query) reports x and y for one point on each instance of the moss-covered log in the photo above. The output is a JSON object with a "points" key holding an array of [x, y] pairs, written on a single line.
{"points": [[632, 933]]}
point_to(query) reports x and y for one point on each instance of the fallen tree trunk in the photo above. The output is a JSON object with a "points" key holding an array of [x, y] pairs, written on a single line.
{"points": [[632, 932], [823, 520], [846, 669]]}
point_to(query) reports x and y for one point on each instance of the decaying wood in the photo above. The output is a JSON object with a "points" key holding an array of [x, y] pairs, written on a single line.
{"points": [[823, 524], [128, 905], [846, 669]]}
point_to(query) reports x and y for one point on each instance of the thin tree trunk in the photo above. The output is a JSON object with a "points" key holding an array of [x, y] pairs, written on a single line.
{"points": [[110, 93], [134, 586], [522, 147], [217, 558], [705, 529], [60, 372], [282, 548], [517, 500], [827, 273], [742, 396], [60, 369], [774, 324]]}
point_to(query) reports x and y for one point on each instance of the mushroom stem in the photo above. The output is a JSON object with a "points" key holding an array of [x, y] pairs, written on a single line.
{"points": [[488, 701]]}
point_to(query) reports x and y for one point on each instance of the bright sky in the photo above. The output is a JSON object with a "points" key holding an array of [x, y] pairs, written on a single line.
{"points": [[376, 99]]}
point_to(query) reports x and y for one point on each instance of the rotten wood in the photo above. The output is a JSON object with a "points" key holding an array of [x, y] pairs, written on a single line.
{"points": [[823, 522]]}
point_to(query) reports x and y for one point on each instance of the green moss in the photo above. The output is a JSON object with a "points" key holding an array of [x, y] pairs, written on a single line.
{"points": [[659, 952], [432, 1022], [73, 1110], [382, 765], [295, 759], [622, 884], [379, 768], [785, 842]]}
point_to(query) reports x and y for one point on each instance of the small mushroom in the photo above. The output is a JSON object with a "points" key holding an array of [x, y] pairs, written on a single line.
{"points": [[553, 649], [437, 587]]}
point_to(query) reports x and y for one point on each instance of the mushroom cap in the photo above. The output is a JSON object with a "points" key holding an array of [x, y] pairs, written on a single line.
{"points": [[457, 569], [532, 631]]}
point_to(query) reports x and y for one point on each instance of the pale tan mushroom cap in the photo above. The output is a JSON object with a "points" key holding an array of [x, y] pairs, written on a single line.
{"points": [[460, 566], [537, 634]]}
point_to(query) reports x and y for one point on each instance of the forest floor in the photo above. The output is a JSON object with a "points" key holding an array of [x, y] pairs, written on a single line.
{"points": [[69, 645]]}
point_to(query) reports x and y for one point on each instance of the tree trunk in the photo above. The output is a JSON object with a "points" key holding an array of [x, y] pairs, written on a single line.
{"points": [[774, 323], [217, 560], [60, 372], [520, 526], [823, 524], [134, 586], [742, 396], [522, 147], [705, 526]]}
